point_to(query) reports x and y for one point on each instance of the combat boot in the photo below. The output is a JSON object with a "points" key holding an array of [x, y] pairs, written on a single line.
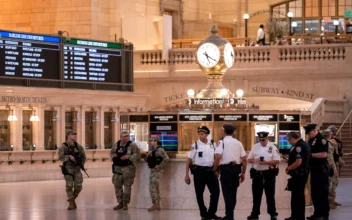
{"points": [[119, 206], [125, 206], [71, 205], [155, 206]]}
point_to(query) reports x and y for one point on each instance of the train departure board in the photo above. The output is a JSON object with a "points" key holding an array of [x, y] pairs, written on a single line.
{"points": [[93, 61], [29, 55]]}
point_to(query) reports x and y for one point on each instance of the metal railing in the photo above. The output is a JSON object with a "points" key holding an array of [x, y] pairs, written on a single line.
{"points": [[343, 123]]}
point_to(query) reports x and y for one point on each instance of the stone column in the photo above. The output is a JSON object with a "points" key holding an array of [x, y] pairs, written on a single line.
{"points": [[18, 128]]}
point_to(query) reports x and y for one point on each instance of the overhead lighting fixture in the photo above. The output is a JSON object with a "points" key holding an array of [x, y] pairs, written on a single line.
{"points": [[11, 117]]}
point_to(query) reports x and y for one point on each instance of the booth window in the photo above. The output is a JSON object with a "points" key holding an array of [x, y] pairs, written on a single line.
{"points": [[50, 130], [139, 133], [70, 120], [108, 130], [4, 131], [90, 130], [27, 130]]}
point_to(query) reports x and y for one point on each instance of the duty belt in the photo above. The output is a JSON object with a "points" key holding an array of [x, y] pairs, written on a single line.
{"points": [[263, 172], [203, 168]]}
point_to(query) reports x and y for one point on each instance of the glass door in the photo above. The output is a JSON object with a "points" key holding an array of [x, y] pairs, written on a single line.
{"points": [[4, 131], [50, 130], [27, 130]]}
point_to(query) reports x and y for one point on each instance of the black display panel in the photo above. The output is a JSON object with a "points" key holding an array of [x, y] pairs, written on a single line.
{"points": [[230, 117], [263, 117], [161, 118], [289, 126], [289, 117], [139, 118], [92, 61], [29, 56], [198, 117]]}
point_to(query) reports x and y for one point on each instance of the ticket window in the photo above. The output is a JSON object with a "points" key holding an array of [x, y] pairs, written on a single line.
{"points": [[5, 144], [188, 134], [108, 130], [269, 127], [27, 131], [241, 132], [139, 133], [50, 130], [71, 119], [90, 130]]}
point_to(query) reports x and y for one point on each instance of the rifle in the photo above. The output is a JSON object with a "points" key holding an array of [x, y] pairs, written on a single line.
{"points": [[78, 159]]}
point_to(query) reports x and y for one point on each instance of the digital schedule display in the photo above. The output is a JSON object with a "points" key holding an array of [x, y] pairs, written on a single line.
{"points": [[92, 61], [29, 56]]}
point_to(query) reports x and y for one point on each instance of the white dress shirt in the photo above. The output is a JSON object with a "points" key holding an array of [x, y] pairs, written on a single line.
{"points": [[269, 152], [208, 150], [231, 150], [260, 34]]}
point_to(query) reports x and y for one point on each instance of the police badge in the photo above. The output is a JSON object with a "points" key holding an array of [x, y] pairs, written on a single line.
{"points": [[298, 149], [323, 141]]}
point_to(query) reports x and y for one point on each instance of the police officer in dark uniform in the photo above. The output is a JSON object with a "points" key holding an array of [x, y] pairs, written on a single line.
{"points": [[201, 160], [319, 170], [298, 170], [230, 157]]}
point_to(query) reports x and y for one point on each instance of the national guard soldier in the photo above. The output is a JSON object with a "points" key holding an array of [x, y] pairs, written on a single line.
{"points": [[264, 156], [156, 159], [298, 169], [338, 164], [332, 176], [124, 154], [202, 154], [231, 156], [70, 168], [319, 173]]}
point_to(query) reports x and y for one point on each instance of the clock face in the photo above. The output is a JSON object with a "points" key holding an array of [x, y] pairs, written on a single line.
{"points": [[208, 55], [229, 55]]}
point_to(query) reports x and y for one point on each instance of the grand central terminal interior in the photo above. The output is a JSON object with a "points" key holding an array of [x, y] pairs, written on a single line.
{"points": [[163, 68]]}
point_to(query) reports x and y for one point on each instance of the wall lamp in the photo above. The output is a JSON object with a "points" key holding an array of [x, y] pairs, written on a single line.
{"points": [[11, 117]]}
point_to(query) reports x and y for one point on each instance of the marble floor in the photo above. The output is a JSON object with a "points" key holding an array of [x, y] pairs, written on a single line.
{"points": [[47, 200]]}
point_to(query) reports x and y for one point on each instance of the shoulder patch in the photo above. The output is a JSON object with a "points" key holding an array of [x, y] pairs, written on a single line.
{"points": [[323, 141], [192, 148], [270, 149], [298, 149]]}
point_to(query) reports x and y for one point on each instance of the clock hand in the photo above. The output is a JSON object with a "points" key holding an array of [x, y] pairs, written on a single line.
{"points": [[207, 56], [232, 55], [211, 58]]}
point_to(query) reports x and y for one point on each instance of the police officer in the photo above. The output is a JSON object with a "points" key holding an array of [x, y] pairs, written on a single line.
{"points": [[124, 154], [202, 154], [70, 168], [231, 155], [319, 173], [156, 158], [264, 156], [298, 169]]}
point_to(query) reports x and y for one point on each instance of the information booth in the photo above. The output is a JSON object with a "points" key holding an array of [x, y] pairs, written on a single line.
{"points": [[138, 127], [166, 128], [287, 123], [263, 122]]}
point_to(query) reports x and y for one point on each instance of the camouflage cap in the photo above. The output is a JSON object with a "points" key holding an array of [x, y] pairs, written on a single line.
{"points": [[154, 138], [333, 128], [326, 132], [124, 133], [70, 131]]}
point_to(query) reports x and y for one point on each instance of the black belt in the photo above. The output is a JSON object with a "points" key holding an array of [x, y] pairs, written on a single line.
{"points": [[263, 172], [230, 164], [203, 168]]}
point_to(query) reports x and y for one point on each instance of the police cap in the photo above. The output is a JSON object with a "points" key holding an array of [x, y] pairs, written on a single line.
{"points": [[229, 128], [124, 133], [203, 129], [154, 138], [262, 134], [309, 128]]}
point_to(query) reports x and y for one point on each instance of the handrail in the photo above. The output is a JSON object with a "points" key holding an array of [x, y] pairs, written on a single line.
{"points": [[343, 123]]}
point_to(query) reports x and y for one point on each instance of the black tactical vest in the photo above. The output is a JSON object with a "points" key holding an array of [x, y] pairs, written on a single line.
{"points": [[154, 160], [121, 151]]}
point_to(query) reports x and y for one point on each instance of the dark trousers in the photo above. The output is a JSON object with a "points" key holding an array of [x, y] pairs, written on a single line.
{"points": [[320, 193], [264, 183], [229, 183], [298, 200], [204, 178]]}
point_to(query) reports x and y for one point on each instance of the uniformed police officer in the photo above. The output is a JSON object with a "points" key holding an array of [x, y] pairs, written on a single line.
{"points": [[202, 154], [298, 169], [319, 173], [156, 158], [70, 168], [124, 154], [231, 155], [264, 156]]}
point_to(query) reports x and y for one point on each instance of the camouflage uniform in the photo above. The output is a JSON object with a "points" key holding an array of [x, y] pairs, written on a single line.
{"points": [[75, 180], [155, 174], [124, 175], [334, 181]]}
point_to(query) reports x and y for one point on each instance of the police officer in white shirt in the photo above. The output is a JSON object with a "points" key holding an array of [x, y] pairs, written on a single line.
{"points": [[265, 157], [231, 156], [201, 160]]}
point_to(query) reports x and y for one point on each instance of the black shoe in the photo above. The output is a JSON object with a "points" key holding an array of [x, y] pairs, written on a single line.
{"points": [[290, 218], [213, 217], [253, 217], [311, 217], [226, 218], [273, 218]]}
